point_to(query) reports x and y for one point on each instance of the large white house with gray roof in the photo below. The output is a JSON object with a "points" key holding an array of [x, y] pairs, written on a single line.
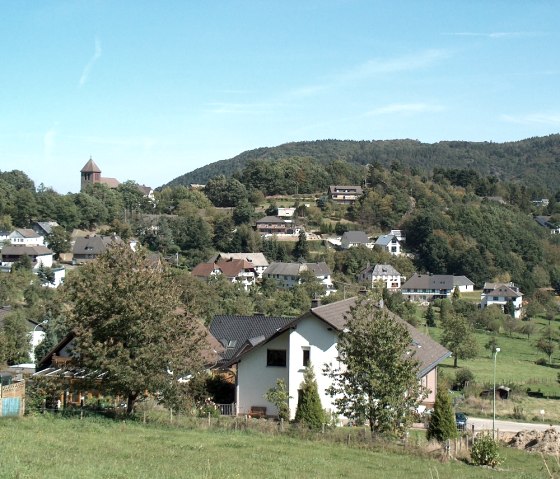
{"points": [[288, 275], [311, 339], [501, 294], [427, 287], [381, 273]]}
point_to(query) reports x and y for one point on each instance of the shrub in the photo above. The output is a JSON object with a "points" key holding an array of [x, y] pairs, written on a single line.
{"points": [[518, 412], [485, 452], [541, 362], [309, 411], [442, 421], [462, 377], [279, 396]]}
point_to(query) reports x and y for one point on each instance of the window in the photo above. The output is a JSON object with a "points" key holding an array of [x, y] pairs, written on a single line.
{"points": [[276, 357], [306, 356]]}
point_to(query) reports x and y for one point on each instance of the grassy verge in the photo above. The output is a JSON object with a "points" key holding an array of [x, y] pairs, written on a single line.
{"points": [[43, 446]]}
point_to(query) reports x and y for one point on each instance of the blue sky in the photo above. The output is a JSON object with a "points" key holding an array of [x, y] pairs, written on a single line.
{"points": [[152, 90]]}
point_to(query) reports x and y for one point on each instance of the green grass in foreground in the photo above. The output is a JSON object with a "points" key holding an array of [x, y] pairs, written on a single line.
{"points": [[45, 446]]}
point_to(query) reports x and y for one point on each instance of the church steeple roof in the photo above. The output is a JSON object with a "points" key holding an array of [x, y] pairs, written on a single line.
{"points": [[90, 167]]}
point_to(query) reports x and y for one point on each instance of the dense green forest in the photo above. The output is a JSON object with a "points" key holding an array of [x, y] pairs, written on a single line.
{"points": [[534, 162]]}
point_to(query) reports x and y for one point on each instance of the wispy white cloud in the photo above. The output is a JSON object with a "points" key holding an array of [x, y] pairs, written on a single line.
{"points": [[380, 66], [404, 108], [87, 69], [376, 67], [533, 119], [495, 34]]}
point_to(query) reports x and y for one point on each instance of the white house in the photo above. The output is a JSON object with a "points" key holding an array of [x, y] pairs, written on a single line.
{"points": [[258, 260], [352, 239], [427, 287], [26, 237], [235, 270], [389, 243], [501, 294], [288, 275], [39, 255], [384, 273], [345, 194], [312, 339], [286, 212]]}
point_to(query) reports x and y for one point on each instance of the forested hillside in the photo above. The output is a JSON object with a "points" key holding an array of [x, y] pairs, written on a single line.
{"points": [[534, 162]]}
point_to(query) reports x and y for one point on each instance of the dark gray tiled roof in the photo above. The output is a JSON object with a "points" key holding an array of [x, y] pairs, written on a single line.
{"points": [[235, 332], [93, 245], [380, 270], [355, 237], [436, 281], [295, 269]]}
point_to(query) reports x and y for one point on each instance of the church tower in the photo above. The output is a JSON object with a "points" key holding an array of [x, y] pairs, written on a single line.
{"points": [[90, 173]]}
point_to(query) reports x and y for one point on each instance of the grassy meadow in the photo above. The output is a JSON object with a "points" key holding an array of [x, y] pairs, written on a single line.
{"points": [[52, 446], [515, 367]]}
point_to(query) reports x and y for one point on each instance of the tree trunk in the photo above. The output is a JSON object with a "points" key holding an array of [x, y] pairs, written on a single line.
{"points": [[455, 361], [131, 400]]}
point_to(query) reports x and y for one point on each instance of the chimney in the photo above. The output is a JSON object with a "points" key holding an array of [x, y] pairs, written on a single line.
{"points": [[315, 302]]}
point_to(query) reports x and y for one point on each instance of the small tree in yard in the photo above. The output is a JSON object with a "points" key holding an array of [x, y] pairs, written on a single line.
{"points": [[485, 451], [442, 421], [378, 381], [430, 316], [458, 337], [128, 323], [279, 396], [309, 410]]}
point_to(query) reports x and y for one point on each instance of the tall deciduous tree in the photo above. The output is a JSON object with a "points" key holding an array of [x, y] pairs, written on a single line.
{"points": [[380, 388], [126, 318], [458, 337]]}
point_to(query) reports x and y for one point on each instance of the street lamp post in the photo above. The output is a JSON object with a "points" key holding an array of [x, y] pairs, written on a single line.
{"points": [[496, 351]]}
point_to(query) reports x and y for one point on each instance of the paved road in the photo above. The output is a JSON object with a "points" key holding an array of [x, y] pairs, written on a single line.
{"points": [[509, 426]]}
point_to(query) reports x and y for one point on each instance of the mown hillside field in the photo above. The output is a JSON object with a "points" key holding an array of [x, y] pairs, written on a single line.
{"points": [[44, 446]]}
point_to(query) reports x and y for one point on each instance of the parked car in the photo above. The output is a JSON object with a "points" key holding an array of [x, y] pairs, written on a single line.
{"points": [[461, 420]]}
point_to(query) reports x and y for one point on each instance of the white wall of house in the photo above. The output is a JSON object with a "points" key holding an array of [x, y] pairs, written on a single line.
{"points": [[255, 378], [312, 334], [466, 288], [487, 300], [46, 260], [17, 239]]}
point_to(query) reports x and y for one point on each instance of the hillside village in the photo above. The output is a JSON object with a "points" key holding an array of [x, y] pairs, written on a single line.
{"points": [[272, 278]]}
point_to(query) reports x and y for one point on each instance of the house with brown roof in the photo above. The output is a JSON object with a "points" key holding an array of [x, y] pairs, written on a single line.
{"points": [[258, 260], [311, 339], [345, 194], [235, 270]]}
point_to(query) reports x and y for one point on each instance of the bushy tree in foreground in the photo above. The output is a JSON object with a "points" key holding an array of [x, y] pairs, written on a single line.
{"points": [[378, 380], [442, 421], [126, 316], [279, 396], [309, 410]]}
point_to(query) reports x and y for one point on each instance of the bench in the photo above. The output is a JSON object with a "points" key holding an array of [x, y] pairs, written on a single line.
{"points": [[257, 411]]}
